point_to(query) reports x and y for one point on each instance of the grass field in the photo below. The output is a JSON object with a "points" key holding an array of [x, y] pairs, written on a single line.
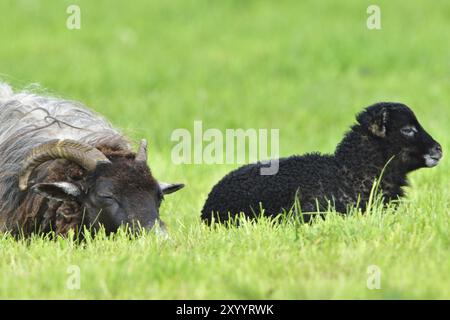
{"points": [[305, 67]]}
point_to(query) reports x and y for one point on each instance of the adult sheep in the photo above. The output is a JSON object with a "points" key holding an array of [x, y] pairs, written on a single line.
{"points": [[384, 132], [62, 167]]}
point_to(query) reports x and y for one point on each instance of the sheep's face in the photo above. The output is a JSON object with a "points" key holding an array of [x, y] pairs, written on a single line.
{"points": [[396, 126], [118, 193]]}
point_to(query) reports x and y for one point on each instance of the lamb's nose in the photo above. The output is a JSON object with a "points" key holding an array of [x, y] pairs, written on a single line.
{"points": [[437, 151]]}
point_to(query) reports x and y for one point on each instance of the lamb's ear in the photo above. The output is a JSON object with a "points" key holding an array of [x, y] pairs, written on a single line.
{"points": [[168, 188], [375, 121], [62, 191]]}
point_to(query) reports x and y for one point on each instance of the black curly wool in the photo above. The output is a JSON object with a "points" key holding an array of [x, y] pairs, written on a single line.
{"points": [[341, 180]]}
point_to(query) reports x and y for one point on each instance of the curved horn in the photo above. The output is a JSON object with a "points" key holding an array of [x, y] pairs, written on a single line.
{"points": [[141, 155], [84, 155]]}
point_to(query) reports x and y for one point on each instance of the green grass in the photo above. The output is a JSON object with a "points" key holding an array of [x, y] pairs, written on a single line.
{"points": [[305, 67]]}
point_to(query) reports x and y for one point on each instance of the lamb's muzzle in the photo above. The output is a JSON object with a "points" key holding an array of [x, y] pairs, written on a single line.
{"points": [[434, 156]]}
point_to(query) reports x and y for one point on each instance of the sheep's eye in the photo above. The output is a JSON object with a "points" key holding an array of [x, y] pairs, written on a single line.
{"points": [[106, 196], [408, 131]]}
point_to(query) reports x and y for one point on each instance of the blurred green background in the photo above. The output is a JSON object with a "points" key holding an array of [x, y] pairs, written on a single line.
{"points": [[305, 67]]}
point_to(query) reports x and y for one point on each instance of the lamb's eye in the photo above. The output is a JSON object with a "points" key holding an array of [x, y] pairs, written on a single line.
{"points": [[408, 131]]}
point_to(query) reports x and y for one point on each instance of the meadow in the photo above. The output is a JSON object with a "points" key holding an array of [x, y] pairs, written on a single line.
{"points": [[304, 67]]}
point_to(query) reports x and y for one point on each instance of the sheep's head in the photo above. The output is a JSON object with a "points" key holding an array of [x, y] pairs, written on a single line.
{"points": [[114, 192], [396, 127]]}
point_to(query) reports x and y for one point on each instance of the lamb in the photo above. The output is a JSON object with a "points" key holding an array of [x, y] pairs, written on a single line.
{"points": [[63, 167], [387, 135]]}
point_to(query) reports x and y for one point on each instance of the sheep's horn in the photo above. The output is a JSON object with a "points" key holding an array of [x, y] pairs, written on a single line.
{"points": [[141, 155], [84, 155]]}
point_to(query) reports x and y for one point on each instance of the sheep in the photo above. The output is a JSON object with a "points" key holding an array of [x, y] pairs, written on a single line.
{"points": [[65, 167], [386, 135]]}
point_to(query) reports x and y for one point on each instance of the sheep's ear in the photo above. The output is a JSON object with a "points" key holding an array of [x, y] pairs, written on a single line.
{"points": [[61, 191], [168, 188], [375, 121]]}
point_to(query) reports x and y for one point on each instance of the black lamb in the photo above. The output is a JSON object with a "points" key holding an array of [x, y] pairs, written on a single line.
{"points": [[387, 136]]}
